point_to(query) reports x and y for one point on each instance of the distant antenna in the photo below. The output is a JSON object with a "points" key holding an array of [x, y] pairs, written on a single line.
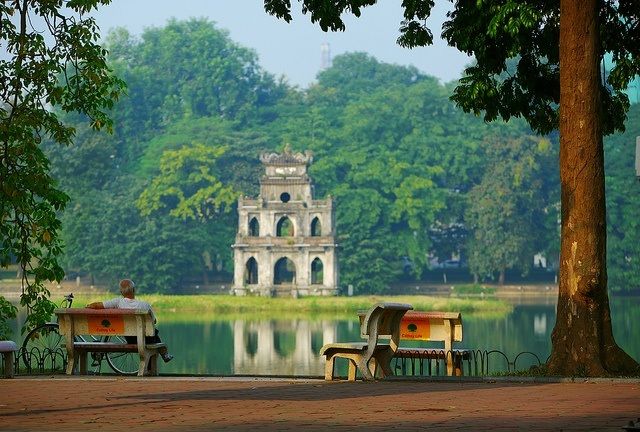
{"points": [[325, 56]]}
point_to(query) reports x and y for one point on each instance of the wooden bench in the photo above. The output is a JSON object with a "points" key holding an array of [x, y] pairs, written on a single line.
{"points": [[76, 322], [434, 326], [7, 349], [381, 321]]}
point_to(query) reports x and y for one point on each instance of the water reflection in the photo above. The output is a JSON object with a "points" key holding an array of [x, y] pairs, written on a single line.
{"points": [[540, 325], [280, 347]]}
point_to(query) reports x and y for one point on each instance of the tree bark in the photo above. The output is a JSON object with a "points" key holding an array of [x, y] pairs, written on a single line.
{"points": [[582, 340]]}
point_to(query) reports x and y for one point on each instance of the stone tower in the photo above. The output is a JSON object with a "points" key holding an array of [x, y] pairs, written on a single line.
{"points": [[285, 243]]}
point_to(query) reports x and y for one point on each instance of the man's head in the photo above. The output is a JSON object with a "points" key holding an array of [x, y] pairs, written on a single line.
{"points": [[127, 288]]}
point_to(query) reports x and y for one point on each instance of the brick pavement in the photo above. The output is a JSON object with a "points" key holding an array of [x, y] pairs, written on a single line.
{"points": [[232, 404]]}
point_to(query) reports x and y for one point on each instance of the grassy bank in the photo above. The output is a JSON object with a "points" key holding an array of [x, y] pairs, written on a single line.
{"points": [[197, 306]]}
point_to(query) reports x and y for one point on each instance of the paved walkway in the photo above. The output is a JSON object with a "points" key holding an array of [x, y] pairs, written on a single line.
{"points": [[230, 404]]}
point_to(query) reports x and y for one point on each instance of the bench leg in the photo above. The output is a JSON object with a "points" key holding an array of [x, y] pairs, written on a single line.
{"points": [[328, 368], [352, 370], [153, 365], [383, 360], [373, 366], [8, 364], [366, 370], [142, 367], [72, 360]]}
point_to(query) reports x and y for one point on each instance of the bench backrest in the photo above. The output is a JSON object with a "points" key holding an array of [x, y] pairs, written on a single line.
{"points": [[426, 326], [431, 326], [383, 321], [105, 322]]}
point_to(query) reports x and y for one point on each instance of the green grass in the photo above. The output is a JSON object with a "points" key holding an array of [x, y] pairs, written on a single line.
{"points": [[211, 307]]}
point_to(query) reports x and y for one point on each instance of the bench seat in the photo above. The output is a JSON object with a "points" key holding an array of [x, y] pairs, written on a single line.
{"points": [[7, 349]]}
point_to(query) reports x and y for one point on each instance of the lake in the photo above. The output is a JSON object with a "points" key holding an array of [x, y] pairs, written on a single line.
{"points": [[290, 347]]}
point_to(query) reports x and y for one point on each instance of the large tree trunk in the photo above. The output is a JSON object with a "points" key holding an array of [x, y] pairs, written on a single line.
{"points": [[582, 339]]}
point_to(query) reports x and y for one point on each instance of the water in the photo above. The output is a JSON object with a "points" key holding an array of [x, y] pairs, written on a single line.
{"points": [[291, 347]]}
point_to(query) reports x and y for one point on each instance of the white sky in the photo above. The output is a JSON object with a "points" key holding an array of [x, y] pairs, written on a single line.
{"points": [[293, 49]]}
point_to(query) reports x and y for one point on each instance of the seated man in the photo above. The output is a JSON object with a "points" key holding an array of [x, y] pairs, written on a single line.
{"points": [[129, 301]]}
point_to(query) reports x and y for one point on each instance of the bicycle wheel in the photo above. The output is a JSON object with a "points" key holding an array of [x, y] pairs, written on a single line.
{"points": [[44, 349], [123, 363]]}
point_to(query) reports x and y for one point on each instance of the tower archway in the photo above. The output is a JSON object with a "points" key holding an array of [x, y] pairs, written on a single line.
{"points": [[284, 272], [316, 227], [254, 227], [284, 227], [251, 272], [317, 272]]}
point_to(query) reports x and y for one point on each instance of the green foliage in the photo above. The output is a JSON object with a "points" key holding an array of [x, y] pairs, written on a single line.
{"points": [[7, 312], [187, 179], [191, 91], [188, 69], [623, 207], [107, 237], [202, 307], [507, 209], [328, 17], [528, 30], [52, 64]]}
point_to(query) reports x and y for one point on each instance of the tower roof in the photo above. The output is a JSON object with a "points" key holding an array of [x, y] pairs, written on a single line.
{"points": [[287, 157]]}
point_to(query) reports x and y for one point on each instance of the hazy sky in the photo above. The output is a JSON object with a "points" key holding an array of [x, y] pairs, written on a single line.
{"points": [[293, 49]]}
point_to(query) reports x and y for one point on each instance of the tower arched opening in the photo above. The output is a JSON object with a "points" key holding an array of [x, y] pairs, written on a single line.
{"points": [[254, 227], [316, 227], [284, 272], [317, 272], [284, 227], [251, 272]]}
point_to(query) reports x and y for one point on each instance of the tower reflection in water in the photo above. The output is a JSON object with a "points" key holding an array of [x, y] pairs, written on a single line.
{"points": [[281, 347]]}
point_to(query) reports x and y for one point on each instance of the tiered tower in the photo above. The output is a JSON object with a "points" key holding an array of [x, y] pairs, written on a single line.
{"points": [[285, 243]]}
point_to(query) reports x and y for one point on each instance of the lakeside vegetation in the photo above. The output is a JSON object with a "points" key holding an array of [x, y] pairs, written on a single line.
{"points": [[197, 307]]}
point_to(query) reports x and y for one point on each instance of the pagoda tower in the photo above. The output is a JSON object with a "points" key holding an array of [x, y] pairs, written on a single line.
{"points": [[285, 245]]}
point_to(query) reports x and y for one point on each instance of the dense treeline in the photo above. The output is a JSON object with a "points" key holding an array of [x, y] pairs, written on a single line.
{"points": [[415, 179]]}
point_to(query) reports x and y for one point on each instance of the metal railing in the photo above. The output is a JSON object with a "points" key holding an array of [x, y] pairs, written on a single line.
{"points": [[477, 363], [38, 361]]}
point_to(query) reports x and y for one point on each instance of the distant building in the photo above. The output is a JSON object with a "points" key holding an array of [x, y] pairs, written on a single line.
{"points": [[325, 56], [285, 243]]}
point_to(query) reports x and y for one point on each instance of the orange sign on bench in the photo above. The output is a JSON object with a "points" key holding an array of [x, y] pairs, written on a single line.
{"points": [[105, 325], [415, 327]]}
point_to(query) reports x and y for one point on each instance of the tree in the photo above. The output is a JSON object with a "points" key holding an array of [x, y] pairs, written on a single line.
{"points": [[52, 64], [623, 207], [388, 192], [557, 83], [188, 184], [506, 210], [188, 69]]}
